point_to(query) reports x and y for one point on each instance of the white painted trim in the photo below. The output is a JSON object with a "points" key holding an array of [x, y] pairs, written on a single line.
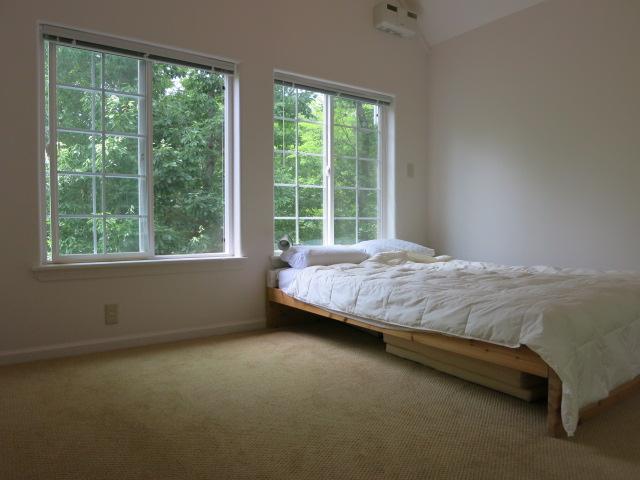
{"points": [[131, 268], [388, 181], [125, 341], [142, 48]]}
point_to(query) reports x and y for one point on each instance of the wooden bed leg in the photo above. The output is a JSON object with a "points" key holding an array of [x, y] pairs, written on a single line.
{"points": [[275, 315], [282, 316], [554, 401]]}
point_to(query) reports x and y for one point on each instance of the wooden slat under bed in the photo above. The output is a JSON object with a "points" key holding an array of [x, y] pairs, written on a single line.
{"points": [[283, 309]]}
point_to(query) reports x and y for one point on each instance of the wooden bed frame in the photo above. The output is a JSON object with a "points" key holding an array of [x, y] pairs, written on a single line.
{"points": [[283, 309]]}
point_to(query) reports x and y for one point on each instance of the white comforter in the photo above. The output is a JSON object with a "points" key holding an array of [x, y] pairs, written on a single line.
{"points": [[584, 324]]}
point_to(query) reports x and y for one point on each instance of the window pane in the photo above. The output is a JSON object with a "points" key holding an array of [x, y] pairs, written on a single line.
{"points": [[344, 112], [79, 110], [310, 138], [121, 114], [284, 135], [79, 152], [123, 235], [311, 232], [124, 154], [285, 227], [367, 230], [310, 202], [310, 106], [344, 232], [121, 196], [344, 141], [284, 168], [289, 97], [289, 135], [121, 73], [278, 135], [285, 201], [344, 172], [367, 144], [310, 170], [79, 67], [367, 174], [278, 100], [75, 194], [368, 116], [76, 236], [345, 203], [367, 203], [188, 161]]}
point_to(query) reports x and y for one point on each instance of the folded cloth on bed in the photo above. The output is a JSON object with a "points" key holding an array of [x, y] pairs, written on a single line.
{"points": [[583, 324]]}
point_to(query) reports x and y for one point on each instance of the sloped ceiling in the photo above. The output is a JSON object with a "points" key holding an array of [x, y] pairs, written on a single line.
{"points": [[444, 19]]}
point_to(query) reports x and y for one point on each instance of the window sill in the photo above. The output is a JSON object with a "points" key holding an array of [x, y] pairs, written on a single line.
{"points": [[133, 268]]}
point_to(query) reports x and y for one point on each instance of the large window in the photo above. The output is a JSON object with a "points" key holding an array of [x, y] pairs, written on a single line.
{"points": [[137, 155], [328, 166]]}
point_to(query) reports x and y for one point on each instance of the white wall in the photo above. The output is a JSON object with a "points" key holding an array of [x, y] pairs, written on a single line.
{"points": [[534, 137], [329, 39]]}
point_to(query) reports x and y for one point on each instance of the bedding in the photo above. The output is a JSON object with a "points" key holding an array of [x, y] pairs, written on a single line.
{"points": [[306, 256], [286, 276], [584, 324], [373, 247]]}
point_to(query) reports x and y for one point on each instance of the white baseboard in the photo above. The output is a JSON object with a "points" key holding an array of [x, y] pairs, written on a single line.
{"points": [[125, 341]]}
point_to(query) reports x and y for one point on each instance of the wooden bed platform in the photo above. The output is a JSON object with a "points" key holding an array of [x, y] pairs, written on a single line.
{"points": [[283, 309]]}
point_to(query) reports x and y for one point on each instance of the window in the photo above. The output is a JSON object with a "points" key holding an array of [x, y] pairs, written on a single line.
{"points": [[137, 152], [328, 165]]}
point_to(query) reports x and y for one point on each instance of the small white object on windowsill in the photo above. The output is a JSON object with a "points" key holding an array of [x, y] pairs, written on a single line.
{"points": [[284, 243]]}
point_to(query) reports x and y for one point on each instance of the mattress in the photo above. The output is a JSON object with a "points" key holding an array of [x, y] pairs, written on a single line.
{"points": [[286, 276], [583, 324]]}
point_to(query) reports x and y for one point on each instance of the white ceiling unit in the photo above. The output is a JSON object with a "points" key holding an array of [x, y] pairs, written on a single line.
{"points": [[392, 18]]}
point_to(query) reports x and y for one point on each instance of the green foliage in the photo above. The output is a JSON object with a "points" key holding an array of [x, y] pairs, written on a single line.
{"points": [[188, 155], [188, 160]]}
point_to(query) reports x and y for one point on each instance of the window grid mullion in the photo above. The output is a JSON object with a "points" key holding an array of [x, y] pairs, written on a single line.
{"points": [[98, 215], [358, 106], [328, 174], [297, 197], [90, 132], [380, 172], [99, 174], [93, 89]]}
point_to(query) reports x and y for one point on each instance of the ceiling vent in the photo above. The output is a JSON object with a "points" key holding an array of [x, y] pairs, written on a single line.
{"points": [[392, 18]]}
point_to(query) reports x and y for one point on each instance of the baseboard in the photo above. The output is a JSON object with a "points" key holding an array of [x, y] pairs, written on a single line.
{"points": [[125, 341]]}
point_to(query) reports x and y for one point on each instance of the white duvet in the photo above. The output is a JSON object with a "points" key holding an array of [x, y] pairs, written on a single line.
{"points": [[584, 324]]}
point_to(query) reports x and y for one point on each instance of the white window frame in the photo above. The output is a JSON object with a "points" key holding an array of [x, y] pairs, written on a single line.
{"points": [[82, 39], [384, 103]]}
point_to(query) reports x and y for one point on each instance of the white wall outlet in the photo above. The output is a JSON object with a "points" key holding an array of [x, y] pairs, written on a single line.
{"points": [[111, 314]]}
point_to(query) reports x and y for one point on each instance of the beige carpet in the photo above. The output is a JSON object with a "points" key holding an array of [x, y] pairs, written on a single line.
{"points": [[320, 400]]}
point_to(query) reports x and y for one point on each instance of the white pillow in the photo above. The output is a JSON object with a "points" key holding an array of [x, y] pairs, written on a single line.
{"points": [[372, 247], [301, 256]]}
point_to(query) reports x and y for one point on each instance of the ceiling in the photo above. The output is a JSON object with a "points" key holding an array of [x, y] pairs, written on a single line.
{"points": [[444, 19]]}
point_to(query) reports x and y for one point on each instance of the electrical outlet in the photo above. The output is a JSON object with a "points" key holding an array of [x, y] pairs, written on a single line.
{"points": [[111, 314]]}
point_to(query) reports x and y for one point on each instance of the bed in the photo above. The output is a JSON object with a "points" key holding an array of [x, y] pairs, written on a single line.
{"points": [[577, 329]]}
